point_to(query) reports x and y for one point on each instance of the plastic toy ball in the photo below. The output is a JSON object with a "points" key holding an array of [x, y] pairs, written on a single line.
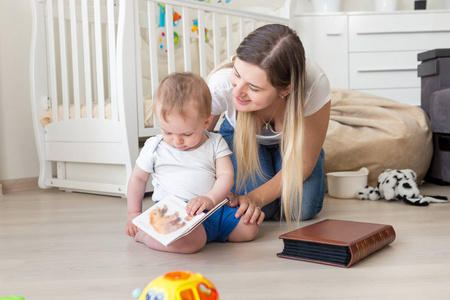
{"points": [[179, 285]]}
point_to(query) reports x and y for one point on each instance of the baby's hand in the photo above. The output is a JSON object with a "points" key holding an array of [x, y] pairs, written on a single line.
{"points": [[197, 205], [131, 228]]}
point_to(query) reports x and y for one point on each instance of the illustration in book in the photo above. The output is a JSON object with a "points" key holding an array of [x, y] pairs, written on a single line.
{"points": [[167, 220]]}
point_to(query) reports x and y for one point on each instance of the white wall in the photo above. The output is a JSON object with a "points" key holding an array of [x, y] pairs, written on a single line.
{"points": [[18, 154]]}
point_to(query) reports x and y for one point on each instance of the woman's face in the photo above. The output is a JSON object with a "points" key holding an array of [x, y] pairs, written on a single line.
{"points": [[251, 89]]}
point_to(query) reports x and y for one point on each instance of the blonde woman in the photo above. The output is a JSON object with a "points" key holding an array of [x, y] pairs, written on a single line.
{"points": [[277, 109]]}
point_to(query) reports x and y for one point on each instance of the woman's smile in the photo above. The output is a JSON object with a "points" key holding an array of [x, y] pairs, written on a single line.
{"points": [[242, 102]]}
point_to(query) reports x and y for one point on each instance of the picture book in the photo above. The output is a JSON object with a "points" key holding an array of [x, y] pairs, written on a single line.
{"points": [[336, 242], [167, 220]]}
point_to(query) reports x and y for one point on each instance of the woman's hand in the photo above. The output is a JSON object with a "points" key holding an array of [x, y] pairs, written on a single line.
{"points": [[131, 228], [198, 204], [249, 209]]}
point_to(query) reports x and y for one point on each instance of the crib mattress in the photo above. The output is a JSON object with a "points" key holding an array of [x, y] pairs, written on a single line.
{"points": [[48, 114]]}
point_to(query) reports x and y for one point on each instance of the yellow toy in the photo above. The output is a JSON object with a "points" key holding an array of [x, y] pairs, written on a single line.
{"points": [[178, 285]]}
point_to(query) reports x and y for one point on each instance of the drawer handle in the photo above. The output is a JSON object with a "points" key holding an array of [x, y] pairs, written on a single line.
{"points": [[386, 70], [402, 32], [334, 34]]}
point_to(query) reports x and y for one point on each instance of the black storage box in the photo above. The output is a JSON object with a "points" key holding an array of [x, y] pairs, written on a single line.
{"points": [[434, 71]]}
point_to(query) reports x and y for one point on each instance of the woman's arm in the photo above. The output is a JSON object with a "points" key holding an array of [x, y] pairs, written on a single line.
{"points": [[316, 127]]}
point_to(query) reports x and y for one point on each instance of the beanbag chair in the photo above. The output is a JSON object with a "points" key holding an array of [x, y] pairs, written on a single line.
{"points": [[376, 133]]}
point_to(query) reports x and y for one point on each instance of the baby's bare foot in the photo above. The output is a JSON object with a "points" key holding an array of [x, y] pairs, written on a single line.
{"points": [[140, 236]]}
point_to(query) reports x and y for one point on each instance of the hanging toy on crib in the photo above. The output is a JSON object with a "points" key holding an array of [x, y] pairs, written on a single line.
{"points": [[161, 31], [194, 29]]}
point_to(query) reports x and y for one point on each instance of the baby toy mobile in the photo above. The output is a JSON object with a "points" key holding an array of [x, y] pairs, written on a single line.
{"points": [[178, 285]]}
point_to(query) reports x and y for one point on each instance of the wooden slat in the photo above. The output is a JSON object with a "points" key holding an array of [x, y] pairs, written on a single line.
{"points": [[52, 60], [241, 29], [99, 59], [138, 58], [63, 59], [152, 44], [112, 59], [186, 39], [75, 72], [216, 39], [202, 43], [230, 50], [87, 61], [170, 39]]}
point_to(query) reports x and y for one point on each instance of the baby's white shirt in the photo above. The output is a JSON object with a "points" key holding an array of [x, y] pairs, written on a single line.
{"points": [[185, 174]]}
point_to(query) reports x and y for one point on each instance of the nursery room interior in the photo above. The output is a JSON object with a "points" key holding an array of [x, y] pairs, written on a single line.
{"points": [[77, 79]]}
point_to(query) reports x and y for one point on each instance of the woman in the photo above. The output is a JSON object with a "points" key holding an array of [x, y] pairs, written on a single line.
{"points": [[277, 108]]}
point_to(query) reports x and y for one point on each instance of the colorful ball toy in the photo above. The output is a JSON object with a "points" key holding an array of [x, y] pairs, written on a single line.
{"points": [[178, 285]]}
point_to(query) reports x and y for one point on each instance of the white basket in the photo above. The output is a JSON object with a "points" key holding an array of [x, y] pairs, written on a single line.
{"points": [[346, 184]]}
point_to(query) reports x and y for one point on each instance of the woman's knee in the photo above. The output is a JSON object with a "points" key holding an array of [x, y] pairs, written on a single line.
{"points": [[314, 188], [312, 202], [311, 211]]}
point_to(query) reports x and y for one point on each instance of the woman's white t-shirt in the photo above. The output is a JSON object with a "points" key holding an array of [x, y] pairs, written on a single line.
{"points": [[318, 91]]}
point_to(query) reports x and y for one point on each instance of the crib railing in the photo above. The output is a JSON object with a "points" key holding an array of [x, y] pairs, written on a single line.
{"points": [[198, 10], [86, 51], [226, 27], [81, 56], [73, 66]]}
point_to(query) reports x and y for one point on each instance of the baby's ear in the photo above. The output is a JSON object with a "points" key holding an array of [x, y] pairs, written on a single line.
{"points": [[208, 121]]}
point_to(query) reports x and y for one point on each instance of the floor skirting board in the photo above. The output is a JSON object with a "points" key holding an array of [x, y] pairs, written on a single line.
{"points": [[17, 185]]}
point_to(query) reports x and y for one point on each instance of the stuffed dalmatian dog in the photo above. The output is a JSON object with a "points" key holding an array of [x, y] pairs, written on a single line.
{"points": [[398, 185]]}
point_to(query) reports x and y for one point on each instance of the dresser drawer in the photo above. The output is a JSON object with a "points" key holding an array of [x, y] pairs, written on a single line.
{"points": [[383, 70], [399, 31], [322, 34]]}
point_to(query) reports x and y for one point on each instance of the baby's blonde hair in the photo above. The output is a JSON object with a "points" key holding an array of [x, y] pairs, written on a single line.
{"points": [[179, 89]]}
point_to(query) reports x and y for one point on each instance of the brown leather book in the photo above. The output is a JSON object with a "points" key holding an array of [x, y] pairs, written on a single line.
{"points": [[336, 242]]}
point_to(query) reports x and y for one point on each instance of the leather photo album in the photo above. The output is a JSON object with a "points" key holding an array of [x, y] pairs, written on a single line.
{"points": [[336, 242]]}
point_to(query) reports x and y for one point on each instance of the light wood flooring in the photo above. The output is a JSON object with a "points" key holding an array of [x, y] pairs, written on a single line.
{"points": [[56, 245]]}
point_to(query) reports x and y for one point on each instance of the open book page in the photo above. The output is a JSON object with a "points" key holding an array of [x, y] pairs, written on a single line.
{"points": [[167, 220]]}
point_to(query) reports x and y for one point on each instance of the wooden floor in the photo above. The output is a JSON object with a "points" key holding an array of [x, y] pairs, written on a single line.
{"points": [[56, 245]]}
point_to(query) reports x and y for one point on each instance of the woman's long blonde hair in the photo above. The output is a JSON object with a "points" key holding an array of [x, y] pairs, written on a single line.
{"points": [[278, 51]]}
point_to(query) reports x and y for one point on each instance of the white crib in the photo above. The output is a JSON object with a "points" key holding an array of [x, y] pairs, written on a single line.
{"points": [[94, 66]]}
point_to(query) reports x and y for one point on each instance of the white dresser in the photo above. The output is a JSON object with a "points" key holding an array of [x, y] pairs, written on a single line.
{"points": [[374, 52]]}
